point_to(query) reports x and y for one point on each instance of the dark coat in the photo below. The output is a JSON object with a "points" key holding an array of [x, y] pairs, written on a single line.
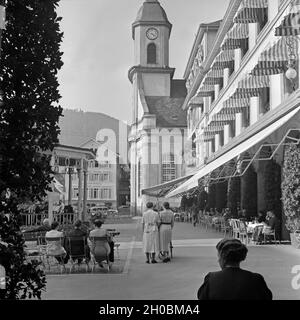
{"points": [[234, 284]]}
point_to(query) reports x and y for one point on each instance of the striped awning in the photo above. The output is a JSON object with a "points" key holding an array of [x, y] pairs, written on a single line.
{"points": [[252, 86], [223, 117], [251, 11], [224, 59], [195, 101], [205, 91], [237, 37], [235, 105], [290, 26], [214, 77], [213, 129], [274, 59], [207, 137]]}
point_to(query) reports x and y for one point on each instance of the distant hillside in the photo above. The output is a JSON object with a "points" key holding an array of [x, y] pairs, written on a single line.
{"points": [[77, 127]]}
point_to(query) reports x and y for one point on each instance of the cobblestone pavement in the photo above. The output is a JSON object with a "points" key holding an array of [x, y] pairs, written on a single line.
{"points": [[194, 256]]}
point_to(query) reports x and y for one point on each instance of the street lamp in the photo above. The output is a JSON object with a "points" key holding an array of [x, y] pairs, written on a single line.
{"points": [[291, 74]]}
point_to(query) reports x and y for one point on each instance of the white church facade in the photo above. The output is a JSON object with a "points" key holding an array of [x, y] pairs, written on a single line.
{"points": [[157, 135]]}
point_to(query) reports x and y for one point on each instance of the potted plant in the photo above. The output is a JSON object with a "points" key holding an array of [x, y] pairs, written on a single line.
{"points": [[291, 192]]}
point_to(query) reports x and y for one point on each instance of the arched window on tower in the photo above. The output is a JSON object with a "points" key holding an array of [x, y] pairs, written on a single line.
{"points": [[151, 53]]}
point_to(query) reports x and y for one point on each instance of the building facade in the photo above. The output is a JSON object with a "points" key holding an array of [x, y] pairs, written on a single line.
{"points": [[243, 102], [158, 122], [108, 174]]}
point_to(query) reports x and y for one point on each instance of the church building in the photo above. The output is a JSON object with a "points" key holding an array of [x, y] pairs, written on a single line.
{"points": [[158, 121]]}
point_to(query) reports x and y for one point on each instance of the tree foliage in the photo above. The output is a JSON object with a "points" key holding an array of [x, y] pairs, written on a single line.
{"points": [[291, 187], [30, 60]]}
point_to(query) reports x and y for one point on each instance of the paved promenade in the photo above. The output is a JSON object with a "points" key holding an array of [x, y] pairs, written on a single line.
{"points": [[194, 256]]}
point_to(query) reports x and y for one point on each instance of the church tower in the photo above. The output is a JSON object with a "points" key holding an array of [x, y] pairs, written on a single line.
{"points": [[151, 33], [156, 105]]}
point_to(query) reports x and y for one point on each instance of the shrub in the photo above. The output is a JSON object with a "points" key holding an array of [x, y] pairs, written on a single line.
{"points": [[291, 188]]}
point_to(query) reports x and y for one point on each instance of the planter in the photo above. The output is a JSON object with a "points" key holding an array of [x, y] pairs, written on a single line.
{"points": [[295, 239]]}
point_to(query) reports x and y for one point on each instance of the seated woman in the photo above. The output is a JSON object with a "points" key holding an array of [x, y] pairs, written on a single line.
{"points": [[109, 245], [165, 230], [272, 224], [261, 217], [55, 248], [78, 233], [232, 282]]}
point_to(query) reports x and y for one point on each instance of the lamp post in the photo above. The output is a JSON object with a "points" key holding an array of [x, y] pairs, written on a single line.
{"points": [[291, 74]]}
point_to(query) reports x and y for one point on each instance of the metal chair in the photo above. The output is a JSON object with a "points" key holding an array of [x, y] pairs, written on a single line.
{"points": [[270, 234], [235, 228], [225, 228], [99, 251], [243, 234], [54, 244], [77, 249]]}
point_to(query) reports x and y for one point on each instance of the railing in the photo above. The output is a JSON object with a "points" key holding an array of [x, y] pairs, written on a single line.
{"points": [[36, 219], [33, 219]]}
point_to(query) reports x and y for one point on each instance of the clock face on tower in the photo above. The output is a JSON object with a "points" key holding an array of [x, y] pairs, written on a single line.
{"points": [[152, 33]]}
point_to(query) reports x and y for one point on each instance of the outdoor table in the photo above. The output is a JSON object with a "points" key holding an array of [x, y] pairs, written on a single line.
{"points": [[251, 226]]}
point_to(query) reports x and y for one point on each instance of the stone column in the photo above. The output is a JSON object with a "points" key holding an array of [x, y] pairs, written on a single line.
{"points": [[217, 91], [210, 151], [276, 90], [227, 133], [85, 191], [79, 172], [226, 77], [273, 6], [254, 109], [70, 171], [237, 58], [238, 123], [217, 142], [253, 32]]}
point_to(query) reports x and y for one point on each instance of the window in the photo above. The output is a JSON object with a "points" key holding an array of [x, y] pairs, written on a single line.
{"points": [[265, 101], [105, 193], [63, 162], [151, 53], [221, 83], [231, 68], [246, 117], [168, 167], [221, 137], [75, 193], [93, 193], [263, 19], [245, 47], [91, 164], [105, 176], [232, 129], [213, 97]]}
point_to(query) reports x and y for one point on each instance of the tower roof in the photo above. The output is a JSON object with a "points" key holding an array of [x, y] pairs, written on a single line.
{"points": [[151, 13]]}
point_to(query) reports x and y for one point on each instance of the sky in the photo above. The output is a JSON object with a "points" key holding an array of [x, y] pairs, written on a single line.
{"points": [[98, 49]]}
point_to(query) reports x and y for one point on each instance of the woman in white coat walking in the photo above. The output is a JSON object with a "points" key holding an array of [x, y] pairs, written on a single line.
{"points": [[165, 230], [150, 223]]}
